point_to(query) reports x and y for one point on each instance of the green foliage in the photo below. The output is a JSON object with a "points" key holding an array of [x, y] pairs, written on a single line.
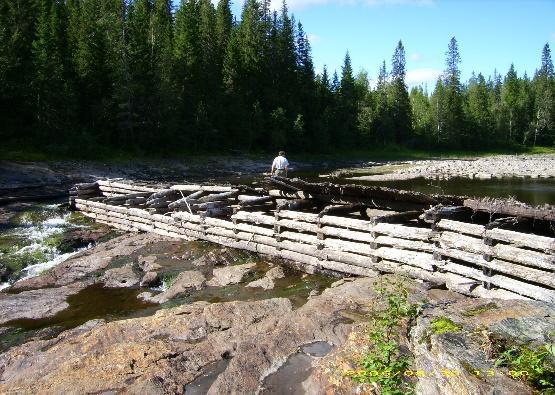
{"points": [[479, 310], [533, 366], [384, 364], [442, 325], [89, 77]]}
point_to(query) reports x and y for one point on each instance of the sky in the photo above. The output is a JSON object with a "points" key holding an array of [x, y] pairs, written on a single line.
{"points": [[491, 34]]}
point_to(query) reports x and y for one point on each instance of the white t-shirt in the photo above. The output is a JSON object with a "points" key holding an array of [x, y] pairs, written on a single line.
{"points": [[280, 163]]}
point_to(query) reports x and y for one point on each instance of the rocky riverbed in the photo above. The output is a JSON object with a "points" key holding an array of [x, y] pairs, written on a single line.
{"points": [[501, 166], [145, 314]]}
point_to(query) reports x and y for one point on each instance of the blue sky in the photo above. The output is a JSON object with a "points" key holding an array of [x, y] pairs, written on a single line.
{"points": [[491, 34]]}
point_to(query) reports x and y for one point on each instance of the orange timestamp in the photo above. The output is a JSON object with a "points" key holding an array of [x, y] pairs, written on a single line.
{"points": [[514, 374]]}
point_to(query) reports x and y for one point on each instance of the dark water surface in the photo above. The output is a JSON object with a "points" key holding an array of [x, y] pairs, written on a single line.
{"points": [[535, 191]]}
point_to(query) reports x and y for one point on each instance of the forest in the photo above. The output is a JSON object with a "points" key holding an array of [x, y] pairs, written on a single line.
{"points": [[149, 76]]}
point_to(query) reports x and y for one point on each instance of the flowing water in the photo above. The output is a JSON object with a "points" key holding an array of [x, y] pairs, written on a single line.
{"points": [[30, 241]]}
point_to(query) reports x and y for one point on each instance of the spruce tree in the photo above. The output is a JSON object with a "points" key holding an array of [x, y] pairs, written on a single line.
{"points": [[454, 127], [399, 102]]}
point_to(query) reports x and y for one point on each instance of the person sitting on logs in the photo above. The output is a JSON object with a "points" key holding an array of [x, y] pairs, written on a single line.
{"points": [[280, 165]]}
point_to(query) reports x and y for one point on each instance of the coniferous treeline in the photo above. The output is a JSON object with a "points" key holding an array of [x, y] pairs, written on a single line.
{"points": [[138, 74]]}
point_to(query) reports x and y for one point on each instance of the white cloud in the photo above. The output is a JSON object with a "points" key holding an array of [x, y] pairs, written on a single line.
{"points": [[552, 38], [415, 57], [422, 76], [313, 38]]}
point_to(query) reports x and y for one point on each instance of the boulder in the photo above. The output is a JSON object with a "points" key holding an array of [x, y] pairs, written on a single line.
{"points": [[37, 303], [120, 277], [267, 282], [230, 274], [149, 279], [184, 282]]}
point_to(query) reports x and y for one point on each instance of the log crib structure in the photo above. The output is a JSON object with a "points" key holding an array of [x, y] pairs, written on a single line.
{"points": [[477, 247]]}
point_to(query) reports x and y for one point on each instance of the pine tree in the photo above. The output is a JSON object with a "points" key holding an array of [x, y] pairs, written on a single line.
{"points": [[400, 103], [382, 123], [454, 127], [510, 98], [545, 100], [422, 120], [478, 111], [347, 112]]}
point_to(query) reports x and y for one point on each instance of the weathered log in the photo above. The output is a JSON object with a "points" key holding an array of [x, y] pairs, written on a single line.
{"points": [[170, 194], [218, 196], [341, 209], [216, 212], [523, 272], [508, 207], [132, 187], [504, 282], [216, 204], [86, 185], [471, 244], [441, 212], [204, 188], [296, 204], [253, 200], [519, 239]]}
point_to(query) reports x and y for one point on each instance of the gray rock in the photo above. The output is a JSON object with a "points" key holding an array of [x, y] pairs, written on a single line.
{"points": [[267, 282], [148, 279], [84, 264], [35, 304], [120, 277], [185, 282], [148, 263], [230, 275]]}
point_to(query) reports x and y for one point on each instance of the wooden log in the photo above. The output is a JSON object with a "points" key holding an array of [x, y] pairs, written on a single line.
{"points": [[519, 287], [167, 193], [218, 196], [217, 212], [136, 201], [289, 194], [185, 216], [253, 201], [132, 187], [204, 188], [411, 271], [519, 239], [525, 257], [523, 272], [296, 204], [341, 209], [86, 185], [506, 252], [216, 204], [439, 212], [508, 207]]}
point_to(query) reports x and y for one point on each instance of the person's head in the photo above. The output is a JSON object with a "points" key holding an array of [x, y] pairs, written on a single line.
{"points": [[281, 153]]}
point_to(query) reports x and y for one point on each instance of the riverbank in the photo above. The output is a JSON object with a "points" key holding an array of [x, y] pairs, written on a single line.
{"points": [[500, 166]]}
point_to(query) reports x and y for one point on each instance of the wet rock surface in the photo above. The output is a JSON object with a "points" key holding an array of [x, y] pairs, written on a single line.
{"points": [[267, 282], [86, 263], [230, 275], [164, 352], [36, 303], [186, 281]]}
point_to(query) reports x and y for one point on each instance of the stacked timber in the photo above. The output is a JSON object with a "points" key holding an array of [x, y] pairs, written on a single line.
{"points": [[350, 229]]}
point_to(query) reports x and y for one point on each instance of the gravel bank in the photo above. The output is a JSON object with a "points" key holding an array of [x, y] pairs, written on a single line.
{"points": [[534, 166]]}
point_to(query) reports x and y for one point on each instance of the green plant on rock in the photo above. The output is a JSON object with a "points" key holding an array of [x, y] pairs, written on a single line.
{"points": [[442, 325], [533, 366], [384, 364], [168, 280]]}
